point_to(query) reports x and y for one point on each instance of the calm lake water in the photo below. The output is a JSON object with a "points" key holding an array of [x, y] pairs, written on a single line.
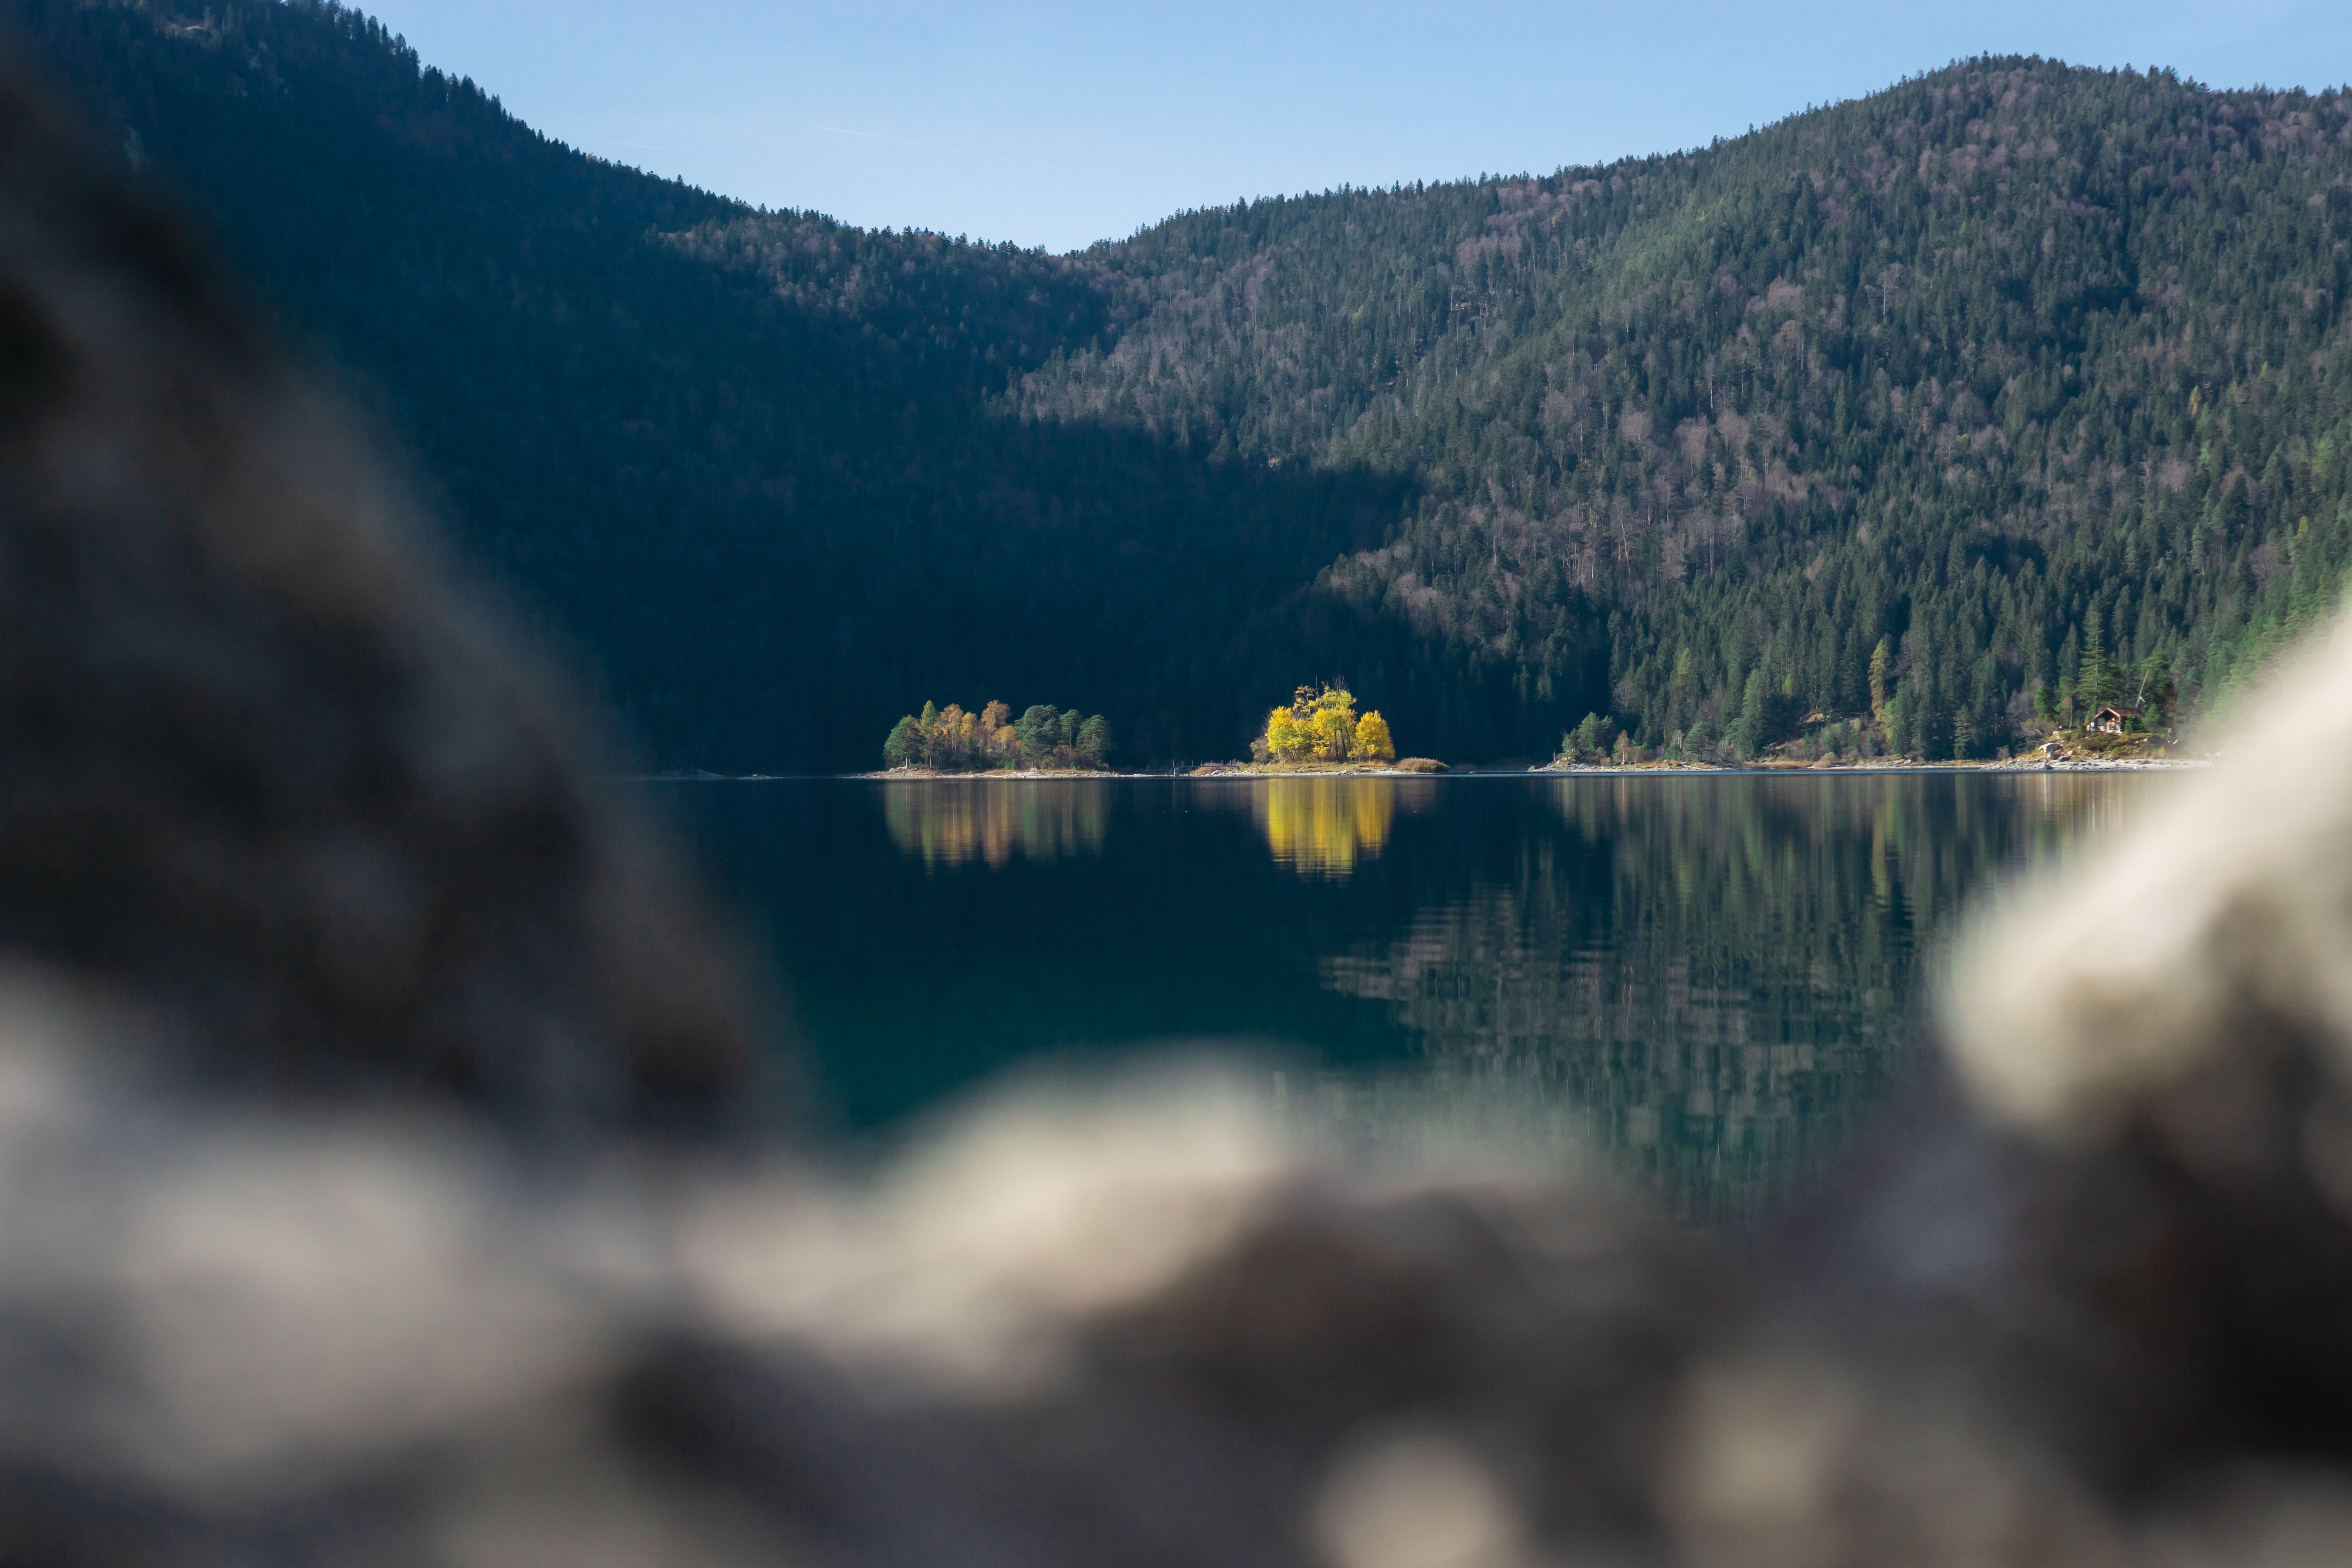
{"points": [[1708, 979]]}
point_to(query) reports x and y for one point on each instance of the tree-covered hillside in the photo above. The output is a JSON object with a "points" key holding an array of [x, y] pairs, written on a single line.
{"points": [[742, 466], [1985, 365], [2006, 361]]}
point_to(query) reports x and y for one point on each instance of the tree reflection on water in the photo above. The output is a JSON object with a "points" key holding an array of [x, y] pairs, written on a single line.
{"points": [[1707, 982], [1718, 977], [1321, 827], [953, 822]]}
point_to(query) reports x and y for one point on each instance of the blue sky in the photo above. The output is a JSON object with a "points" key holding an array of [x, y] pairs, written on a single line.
{"points": [[1060, 124]]}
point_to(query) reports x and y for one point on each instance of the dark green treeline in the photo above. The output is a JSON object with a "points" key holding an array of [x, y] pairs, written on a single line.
{"points": [[2003, 357]]}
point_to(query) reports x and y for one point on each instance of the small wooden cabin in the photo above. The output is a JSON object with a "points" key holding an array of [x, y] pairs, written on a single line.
{"points": [[2111, 720]]}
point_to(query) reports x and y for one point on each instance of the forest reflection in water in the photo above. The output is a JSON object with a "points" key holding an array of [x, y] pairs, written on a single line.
{"points": [[1721, 977], [1708, 981], [952, 822]]}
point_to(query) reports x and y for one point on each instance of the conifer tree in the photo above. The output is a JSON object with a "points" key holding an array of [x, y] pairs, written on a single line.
{"points": [[1094, 741], [904, 746], [2097, 684]]}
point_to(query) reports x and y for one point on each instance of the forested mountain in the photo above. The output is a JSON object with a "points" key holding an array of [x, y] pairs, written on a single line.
{"points": [[2010, 368], [1992, 365], [744, 467]]}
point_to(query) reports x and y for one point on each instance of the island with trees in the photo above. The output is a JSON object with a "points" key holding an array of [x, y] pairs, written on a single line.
{"points": [[1044, 739], [1319, 731], [1320, 726]]}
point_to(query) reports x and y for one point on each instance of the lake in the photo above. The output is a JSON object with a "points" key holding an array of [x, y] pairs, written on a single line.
{"points": [[1706, 982]]}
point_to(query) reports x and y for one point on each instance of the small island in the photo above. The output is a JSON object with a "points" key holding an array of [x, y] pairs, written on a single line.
{"points": [[1320, 732], [1321, 727], [1044, 739]]}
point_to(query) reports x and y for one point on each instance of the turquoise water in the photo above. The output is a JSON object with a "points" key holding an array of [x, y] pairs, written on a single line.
{"points": [[1706, 982]]}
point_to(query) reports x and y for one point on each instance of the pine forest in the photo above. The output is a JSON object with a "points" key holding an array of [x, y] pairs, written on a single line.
{"points": [[1901, 424]]}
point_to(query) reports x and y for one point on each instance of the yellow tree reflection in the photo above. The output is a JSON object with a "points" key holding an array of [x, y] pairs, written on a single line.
{"points": [[1321, 827]]}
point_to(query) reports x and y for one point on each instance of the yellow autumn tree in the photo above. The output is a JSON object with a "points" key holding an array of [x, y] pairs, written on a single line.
{"points": [[1320, 724], [1286, 739], [1334, 723]]}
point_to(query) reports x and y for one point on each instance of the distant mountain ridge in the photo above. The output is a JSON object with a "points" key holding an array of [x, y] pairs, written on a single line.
{"points": [[1974, 364], [1977, 366]]}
